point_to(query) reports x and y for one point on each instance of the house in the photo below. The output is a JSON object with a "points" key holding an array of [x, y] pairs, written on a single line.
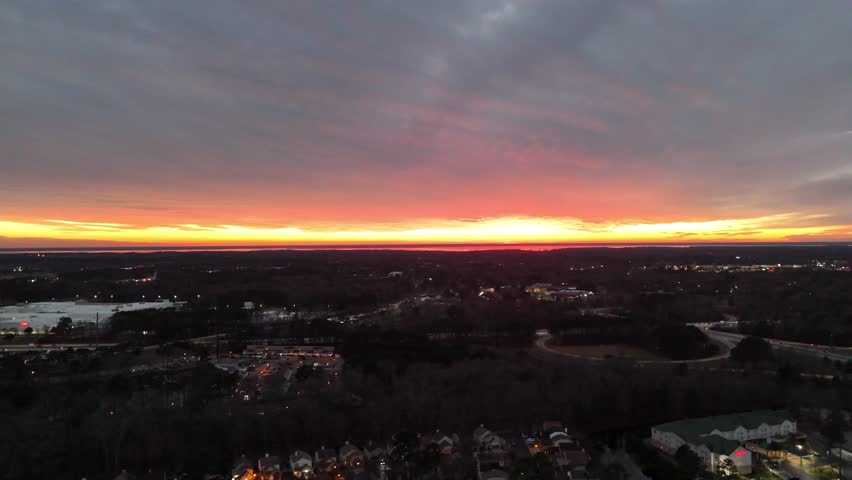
{"points": [[124, 476], [535, 445], [447, 444], [352, 457], [715, 439], [325, 460], [301, 464], [485, 440], [377, 458], [560, 440], [568, 461], [269, 467], [374, 450], [548, 426], [491, 461], [243, 470]]}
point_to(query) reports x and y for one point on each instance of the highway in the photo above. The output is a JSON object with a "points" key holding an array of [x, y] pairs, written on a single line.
{"points": [[819, 351], [49, 347], [728, 341]]}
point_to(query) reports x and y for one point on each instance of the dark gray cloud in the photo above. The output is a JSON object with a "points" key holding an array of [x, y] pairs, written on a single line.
{"points": [[696, 108]]}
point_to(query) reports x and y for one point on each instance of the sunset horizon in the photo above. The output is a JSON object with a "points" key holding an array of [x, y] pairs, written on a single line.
{"points": [[495, 231], [207, 123]]}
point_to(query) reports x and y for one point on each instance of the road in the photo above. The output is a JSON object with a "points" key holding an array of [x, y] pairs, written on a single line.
{"points": [[47, 347], [819, 351], [541, 343]]}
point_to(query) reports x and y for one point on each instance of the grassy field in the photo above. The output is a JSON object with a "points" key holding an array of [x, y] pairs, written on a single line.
{"points": [[617, 350]]}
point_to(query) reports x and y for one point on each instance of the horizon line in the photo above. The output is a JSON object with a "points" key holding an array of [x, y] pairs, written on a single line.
{"points": [[411, 246]]}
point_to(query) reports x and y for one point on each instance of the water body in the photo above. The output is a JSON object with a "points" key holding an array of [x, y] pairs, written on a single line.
{"points": [[40, 315]]}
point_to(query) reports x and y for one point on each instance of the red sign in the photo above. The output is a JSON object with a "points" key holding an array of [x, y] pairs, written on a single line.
{"points": [[24, 324], [739, 453]]}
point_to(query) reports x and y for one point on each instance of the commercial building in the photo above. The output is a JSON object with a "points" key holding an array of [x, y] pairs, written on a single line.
{"points": [[717, 439]]}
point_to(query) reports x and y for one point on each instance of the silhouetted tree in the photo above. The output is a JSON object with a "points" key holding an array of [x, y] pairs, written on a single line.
{"points": [[752, 350], [833, 429], [63, 327], [688, 463]]}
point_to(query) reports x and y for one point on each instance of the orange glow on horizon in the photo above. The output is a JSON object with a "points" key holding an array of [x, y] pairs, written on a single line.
{"points": [[775, 228]]}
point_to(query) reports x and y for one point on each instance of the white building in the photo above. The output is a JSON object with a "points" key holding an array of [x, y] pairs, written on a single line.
{"points": [[715, 439], [301, 464], [485, 440]]}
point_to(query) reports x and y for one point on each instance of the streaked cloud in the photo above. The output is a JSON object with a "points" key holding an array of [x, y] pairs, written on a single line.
{"points": [[489, 230], [171, 117]]}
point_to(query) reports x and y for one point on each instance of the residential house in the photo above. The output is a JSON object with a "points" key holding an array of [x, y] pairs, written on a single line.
{"points": [[124, 476], [535, 445], [325, 460], [560, 440], [571, 462], [243, 470], [375, 450], [377, 458], [301, 464], [718, 438], [447, 444], [352, 457], [484, 440], [490, 451], [269, 467]]}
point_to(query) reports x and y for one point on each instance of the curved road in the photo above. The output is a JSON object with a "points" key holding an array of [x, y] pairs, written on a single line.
{"points": [[819, 351], [542, 344], [727, 340]]}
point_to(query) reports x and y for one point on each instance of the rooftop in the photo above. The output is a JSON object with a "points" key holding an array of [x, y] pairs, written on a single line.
{"points": [[697, 431]]}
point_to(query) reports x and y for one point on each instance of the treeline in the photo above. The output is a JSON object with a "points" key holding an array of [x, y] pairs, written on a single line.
{"points": [[808, 307], [675, 341], [191, 423]]}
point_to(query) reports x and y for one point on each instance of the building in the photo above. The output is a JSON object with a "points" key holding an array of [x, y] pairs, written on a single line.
{"points": [[243, 470], [549, 292], [447, 444], [716, 439], [377, 457], [301, 464], [272, 351], [325, 460], [485, 440], [352, 457], [269, 467], [490, 453]]}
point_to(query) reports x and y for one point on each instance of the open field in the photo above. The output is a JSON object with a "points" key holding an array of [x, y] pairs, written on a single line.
{"points": [[631, 352]]}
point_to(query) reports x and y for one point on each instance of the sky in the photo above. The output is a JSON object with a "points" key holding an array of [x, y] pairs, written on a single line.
{"points": [[224, 122]]}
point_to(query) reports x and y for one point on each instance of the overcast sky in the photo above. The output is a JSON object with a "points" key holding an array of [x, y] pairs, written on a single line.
{"points": [[340, 114]]}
